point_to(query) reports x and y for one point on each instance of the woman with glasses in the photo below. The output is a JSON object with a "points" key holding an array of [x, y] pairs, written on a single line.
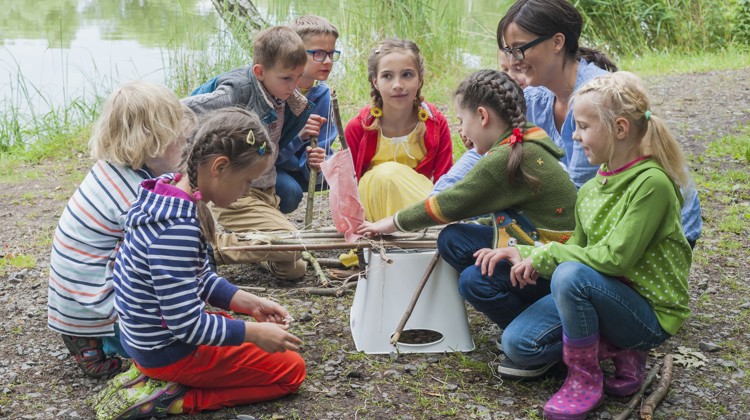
{"points": [[540, 37]]}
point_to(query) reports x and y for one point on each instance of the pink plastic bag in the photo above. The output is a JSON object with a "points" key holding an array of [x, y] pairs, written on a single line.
{"points": [[346, 210]]}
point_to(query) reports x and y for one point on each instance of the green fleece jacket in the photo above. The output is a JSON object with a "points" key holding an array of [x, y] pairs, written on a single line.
{"points": [[628, 226], [536, 215]]}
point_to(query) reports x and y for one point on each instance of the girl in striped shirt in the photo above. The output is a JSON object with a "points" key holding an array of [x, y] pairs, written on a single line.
{"points": [[195, 359], [140, 134]]}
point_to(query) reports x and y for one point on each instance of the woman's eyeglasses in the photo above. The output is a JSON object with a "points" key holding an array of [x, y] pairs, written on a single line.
{"points": [[519, 53], [320, 55]]}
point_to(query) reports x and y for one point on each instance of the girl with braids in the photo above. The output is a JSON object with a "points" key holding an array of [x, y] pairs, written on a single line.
{"points": [[400, 144], [192, 359], [627, 262], [519, 181]]}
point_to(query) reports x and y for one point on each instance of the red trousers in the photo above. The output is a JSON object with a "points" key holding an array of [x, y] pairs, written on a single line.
{"points": [[234, 375]]}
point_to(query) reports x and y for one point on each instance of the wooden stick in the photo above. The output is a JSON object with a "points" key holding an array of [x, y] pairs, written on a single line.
{"points": [[326, 291], [337, 119], [307, 256], [413, 303], [650, 403], [636, 399], [334, 245], [311, 188], [252, 289]]}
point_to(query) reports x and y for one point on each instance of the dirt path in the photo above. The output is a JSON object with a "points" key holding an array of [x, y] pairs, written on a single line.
{"points": [[38, 380]]}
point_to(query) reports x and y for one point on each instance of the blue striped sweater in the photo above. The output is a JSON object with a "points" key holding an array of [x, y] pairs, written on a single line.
{"points": [[162, 281]]}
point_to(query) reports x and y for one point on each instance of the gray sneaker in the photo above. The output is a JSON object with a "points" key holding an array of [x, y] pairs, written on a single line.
{"points": [[499, 344], [511, 370]]}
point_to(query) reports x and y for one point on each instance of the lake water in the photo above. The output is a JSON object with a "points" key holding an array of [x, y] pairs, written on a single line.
{"points": [[53, 51]]}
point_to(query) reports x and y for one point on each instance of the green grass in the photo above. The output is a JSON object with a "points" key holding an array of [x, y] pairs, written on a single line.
{"points": [[666, 63]]}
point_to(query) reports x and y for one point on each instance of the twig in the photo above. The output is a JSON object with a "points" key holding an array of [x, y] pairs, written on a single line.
{"points": [[318, 271], [414, 298], [650, 403], [326, 291], [252, 289], [333, 245], [311, 188], [330, 262], [636, 398], [337, 119]]}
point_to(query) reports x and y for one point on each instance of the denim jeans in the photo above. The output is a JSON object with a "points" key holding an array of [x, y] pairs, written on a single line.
{"points": [[583, 302], [493, 295], [289, 188], [111, 345]]}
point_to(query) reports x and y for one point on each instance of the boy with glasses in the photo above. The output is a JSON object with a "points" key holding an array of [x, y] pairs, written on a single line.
{"points": [[297, 158]]}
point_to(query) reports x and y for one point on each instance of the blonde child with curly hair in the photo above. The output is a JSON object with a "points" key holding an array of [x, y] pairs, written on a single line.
{"points": [[140, 134]]}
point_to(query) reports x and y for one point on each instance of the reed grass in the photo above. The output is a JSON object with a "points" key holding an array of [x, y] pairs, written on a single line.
{"points": [[636, 27], [662, 36]]}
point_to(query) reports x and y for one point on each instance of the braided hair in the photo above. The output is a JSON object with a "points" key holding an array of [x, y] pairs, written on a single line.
{"points": [[225, 132], [496, 91]]}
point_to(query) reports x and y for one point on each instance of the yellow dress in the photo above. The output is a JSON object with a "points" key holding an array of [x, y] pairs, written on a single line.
{"points": [[391, 183]]}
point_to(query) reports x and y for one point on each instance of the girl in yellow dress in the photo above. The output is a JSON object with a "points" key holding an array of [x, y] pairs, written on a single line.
{"points": [[400, 144]]}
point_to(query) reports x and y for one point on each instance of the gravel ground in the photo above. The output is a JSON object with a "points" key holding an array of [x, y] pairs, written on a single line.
{"points": [[39, 381]]}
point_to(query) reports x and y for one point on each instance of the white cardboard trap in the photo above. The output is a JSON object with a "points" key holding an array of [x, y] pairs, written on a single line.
{"points": [[383, 296]]}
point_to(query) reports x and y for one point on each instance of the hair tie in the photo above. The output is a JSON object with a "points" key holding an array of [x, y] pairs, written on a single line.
{"points": [[197, 196], [647, 115], [516, 137], [376, 112]]}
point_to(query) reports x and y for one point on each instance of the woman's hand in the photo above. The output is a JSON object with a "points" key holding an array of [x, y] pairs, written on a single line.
{"points": [[381, 227], [271, 338], [312, 127], [315, 156], [488, 258], [523, 273]]}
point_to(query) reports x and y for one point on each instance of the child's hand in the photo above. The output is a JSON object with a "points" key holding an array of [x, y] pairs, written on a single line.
{"points": [[523, 273], [266, 310], [488, 258], [381, 227], [312, 127], [271, 338], [315, 157]]}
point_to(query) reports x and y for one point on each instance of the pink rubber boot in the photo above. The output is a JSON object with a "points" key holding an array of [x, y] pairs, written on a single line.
{"points": [[630, 369], [582, 390]]}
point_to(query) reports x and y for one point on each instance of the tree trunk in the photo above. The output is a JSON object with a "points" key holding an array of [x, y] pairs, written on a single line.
{"points": [[240, 14]]}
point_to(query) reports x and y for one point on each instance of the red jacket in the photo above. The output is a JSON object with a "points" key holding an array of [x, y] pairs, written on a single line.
{"points": [[437, 143]]}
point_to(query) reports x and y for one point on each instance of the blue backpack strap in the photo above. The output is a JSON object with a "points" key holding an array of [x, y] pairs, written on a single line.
{"points": [[207, 87]]}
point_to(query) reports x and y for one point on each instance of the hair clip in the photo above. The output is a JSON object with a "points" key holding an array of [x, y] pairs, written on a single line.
{"points": [[377, 50], [516, 137], [250, 139], [262, 149]]}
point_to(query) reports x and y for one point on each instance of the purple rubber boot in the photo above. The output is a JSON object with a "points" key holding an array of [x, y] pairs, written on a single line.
{"points": [[630, 369], [582, 390]]}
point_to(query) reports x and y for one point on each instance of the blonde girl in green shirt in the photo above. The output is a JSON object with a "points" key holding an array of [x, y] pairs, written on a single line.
{"points": [[627, 262]]}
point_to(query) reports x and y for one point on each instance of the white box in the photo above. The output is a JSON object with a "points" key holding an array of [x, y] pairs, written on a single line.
{"points": [[383, 295]]}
